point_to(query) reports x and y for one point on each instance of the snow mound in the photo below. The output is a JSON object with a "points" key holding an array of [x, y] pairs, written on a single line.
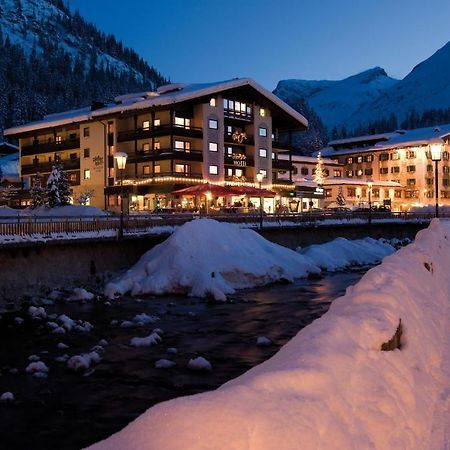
{"points": [[83, 362], [66, 211], [147, 341], [199, 364], [37, 312], [164, 364], [331, 386], [263, 341], [38, 369], [209, 258], [7, 397], [79, 294], [341, 253]]}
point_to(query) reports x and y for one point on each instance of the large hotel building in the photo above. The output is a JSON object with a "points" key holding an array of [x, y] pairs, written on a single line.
{"points": [[180, 135]]}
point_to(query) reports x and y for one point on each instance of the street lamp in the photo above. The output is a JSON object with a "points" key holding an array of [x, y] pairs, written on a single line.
{"points": [[208, 196], [259, 178], [369, 190], [121, 161], [436, 145]]}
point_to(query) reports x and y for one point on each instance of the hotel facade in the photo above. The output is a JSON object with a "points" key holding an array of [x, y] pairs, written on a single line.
{"points": [[181, 135]]}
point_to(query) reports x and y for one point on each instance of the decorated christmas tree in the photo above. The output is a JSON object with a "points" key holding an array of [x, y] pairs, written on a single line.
{"points": [[319, 172], [38, 194]]}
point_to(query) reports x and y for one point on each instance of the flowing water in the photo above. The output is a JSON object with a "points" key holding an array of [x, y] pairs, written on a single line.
{"points": [[70, 410]]}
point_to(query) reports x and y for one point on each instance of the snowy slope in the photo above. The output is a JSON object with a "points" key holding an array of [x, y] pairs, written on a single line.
{"points": [[331, 387], [336, 101]]}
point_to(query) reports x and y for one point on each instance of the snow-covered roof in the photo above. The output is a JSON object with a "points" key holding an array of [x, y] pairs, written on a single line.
{"points": [[172, 95], [356, 139], [397, 139], [351, 181], [7, 148], [308, 159]]}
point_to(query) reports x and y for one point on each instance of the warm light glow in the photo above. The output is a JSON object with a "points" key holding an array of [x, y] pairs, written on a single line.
{"points": [[436, 145], [121, 159], [259, 177], [208, 195], [370, 184]]}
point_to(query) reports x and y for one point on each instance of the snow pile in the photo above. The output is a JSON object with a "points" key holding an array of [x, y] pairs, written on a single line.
{"points": [[331, 386], [205, 257], [83, 362], [152, 339], [79, 294], [65, 324], [38, 369], [165, 364], [199, 364], [66, 211], [341, 253], [7, 397], [139, 321], [37, 312]]}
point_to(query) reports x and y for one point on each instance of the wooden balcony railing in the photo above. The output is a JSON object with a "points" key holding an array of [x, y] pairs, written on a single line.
{"points": [[47, 147], [161, 130], [68, 164]]}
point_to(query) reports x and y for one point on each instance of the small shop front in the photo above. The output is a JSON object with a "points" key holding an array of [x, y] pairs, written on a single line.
{"points": [[302, 199]]}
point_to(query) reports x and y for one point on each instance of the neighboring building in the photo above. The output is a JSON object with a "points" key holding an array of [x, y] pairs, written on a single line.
{"points": [[181, 135], [8, 149], [399, 165]]}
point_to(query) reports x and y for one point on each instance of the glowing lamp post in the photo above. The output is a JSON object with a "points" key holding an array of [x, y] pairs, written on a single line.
{"points": [[369, 190], [259, 178], [208, 196], [121, 162], [436, 145]]}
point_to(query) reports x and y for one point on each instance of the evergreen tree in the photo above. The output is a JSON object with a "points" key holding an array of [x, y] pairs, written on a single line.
{"points": [[58, 188], [38, 194], [319, 172], [340, 199]]}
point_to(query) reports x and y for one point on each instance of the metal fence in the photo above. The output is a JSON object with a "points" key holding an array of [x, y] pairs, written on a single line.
{"points": [[22, 225]]}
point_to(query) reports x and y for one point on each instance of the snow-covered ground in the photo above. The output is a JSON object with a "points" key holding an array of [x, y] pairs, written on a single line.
{"points": [[209, 258], [331, 387]]}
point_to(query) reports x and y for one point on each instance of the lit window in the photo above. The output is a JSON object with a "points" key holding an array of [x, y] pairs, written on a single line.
{"points": [[58, 139], [146, 147], [87, 174], [86, 153], [337, 173], [262, 131], [146, 125], [359, 159], [273, 155], [349, 160], [213, 170], [239, 172], [86, 132], [179, 168], [179, 145], [110, 127], [157, 122], [230, 172], [212, 102], [73, 177], [264, 173], [359, 173], [182, 122], [157, 168], [213, 147], [262, 112], [157, 145], [146, 170], [213, 124], [229, 151], [263, 153]]}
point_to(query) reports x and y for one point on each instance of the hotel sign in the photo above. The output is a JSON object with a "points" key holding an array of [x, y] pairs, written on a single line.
{"points": [[239, 159]]}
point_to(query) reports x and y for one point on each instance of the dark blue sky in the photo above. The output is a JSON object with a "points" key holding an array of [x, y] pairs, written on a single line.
{"points": [[269, 40]]}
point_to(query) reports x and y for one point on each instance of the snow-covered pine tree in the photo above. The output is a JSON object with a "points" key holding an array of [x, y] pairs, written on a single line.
{"points": [[84, 198], [38, 194], [340, 199], [319, 172], [58, 190]]}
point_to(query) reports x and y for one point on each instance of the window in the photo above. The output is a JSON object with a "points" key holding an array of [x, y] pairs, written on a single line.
{"points": [[445, 182], [87, 174], [273, 155], [359, 173], [73, 156], [368, 172], [180, 168], [429, 181], [110, 127], [264, 173], [146, 170], [213, 170], [349, 173], [395, 169], [182, 122], [229, 151], [146, 147], [263, 153], [213, 147], [445, 156], [213, 124], [368, 158], [384, 170], [157, 145], [230, 172], [375, 192], [328, 193], [238, 172], [430, 168], [72, 136], [86, 153], [229, 129], [212, 101], [410, 154], [384, 156], [411, 182], [398, 193], [157, 168], [157, 122], [359, 159], [336, 173], [304, 171], [146, 125], [183, 145], [86, 132], [262, 112], [350, 160], [446, 169], [395, 156], [410, 168], [351, 192], [263, 131], [73, 177], [58, 139]]}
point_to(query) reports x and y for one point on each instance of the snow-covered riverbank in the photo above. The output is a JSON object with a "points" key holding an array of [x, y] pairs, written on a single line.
{"points": [[331, 386]]}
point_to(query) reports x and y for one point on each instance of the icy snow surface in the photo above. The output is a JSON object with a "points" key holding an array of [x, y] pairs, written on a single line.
{"points": [[331, 387], [205, 257]]}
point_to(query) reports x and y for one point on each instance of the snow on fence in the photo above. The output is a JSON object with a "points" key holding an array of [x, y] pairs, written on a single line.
{"points": [[46, 226]]}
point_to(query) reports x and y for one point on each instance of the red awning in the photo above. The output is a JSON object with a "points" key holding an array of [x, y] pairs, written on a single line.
{"points": [[201, 189], [253, 192]]}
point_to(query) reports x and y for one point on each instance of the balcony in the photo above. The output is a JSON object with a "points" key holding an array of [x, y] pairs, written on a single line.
{"points": [[281, 164], [238, 138], [47, 147], [238, 115], [68, 164], [166, 153], [280, 145], [161, 130]]}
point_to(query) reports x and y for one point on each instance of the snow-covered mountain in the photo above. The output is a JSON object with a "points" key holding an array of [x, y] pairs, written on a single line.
{"points": [[372, 95], [337, 101], [52, 59]]}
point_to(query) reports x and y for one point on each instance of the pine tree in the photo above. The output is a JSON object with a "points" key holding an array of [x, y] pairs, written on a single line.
{"points": [[38, 197], [84, 198], [319, 172], [58, 188], [340, 199]]}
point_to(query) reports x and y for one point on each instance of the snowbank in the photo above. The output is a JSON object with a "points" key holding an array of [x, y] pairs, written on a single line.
{"points": [[331, 386], [65, 211], [205, 257], [341, 253]]}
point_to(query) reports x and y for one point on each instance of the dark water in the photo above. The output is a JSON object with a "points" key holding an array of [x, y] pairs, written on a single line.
{"points": [[70, 410]]}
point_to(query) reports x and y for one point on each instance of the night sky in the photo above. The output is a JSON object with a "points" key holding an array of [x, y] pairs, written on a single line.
{"points": [[211, 40]]}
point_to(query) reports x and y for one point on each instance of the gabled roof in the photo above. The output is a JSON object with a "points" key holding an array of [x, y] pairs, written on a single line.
{"points": [[7, 149], [165, 96]]}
